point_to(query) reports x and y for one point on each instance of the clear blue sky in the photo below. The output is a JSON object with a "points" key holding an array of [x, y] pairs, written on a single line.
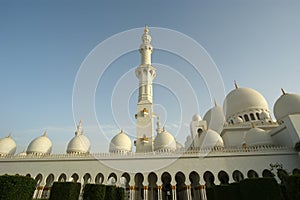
{"points": [[43, 43]]}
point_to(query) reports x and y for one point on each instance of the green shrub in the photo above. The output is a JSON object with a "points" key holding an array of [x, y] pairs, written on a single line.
{"points": [[94, 192], [284, 192], [210, 193], [16, 187], [293, 187], [260, 189], [110, 193], [65, 191], [120, 193]]}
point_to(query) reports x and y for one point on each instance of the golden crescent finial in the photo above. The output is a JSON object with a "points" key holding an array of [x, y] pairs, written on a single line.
{"points": [[146, 30], [45, 133], [235, 84], [9, 135], [283, 92]]}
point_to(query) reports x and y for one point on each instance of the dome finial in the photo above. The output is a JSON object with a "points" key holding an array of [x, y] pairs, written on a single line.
{"points": [[235, 84], [215, 102], [9, 135], [79, 127], [283, 92], [45, 134], [158, 129], [146, 30]]}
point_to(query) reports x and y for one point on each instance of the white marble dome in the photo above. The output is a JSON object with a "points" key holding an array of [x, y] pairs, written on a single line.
{"points": [[40, 146], [7, 146], [120, 143], [287, 104], [211, 139], [257, 137], [196, 118], [241, 100], [215, 118], [164, 141], [79, 144]]}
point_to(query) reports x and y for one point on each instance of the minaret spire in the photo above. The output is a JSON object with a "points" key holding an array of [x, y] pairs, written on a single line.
{"points": [[146, 47]]}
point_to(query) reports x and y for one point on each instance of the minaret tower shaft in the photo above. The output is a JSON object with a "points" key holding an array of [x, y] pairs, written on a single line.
{"points": [[145, 72]]}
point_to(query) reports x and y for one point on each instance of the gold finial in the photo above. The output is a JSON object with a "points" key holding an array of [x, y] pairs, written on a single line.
{"points": [[235, 85], [283, 92], [44, 135], [9, 135], [146, 30], [122, 131], [215, 102]]}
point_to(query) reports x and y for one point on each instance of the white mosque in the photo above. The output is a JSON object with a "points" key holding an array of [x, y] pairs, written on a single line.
{"points": [[230, 143]]}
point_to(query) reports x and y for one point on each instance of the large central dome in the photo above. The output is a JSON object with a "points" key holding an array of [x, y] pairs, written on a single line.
{"points": [[243, 100]]}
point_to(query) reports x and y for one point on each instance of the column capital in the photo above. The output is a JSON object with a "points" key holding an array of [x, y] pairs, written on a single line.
{"points": [[173, 187], [132, 187]]}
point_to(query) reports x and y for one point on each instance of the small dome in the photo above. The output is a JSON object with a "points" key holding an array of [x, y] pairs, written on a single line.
{"points": [[215, 118], [79, 144], [120, 143], [257, 136], [196, 118], [287, 104], [212, 139], [40, 145], [7, 146], [164, 141], [242, 100]]}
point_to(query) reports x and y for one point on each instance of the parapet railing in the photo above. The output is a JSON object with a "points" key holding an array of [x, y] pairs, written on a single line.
{"points": [[178, 153]]}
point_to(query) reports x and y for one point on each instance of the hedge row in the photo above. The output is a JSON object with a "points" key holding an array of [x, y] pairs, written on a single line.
{"points": [[65, 191], [293, 187], [248, 189], [16, 187], [103, 192], [71, 191]]}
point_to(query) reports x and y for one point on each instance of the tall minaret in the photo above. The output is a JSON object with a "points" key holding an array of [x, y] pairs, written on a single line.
{"points": [[145, 73]]}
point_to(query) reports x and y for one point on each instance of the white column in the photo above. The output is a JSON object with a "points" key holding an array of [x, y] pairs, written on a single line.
{"points": [[146, 192], [174, 197], [188, 192], [132, 192], [203, 192], [159, 192], [40, 192]]}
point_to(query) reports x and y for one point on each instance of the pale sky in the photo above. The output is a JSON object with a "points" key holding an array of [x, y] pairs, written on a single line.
{"points": [[44, 43]]}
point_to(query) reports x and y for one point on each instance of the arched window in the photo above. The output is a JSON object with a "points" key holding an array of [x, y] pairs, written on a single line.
{"points": [[246, 118], [237, 176], [257, 116]]}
